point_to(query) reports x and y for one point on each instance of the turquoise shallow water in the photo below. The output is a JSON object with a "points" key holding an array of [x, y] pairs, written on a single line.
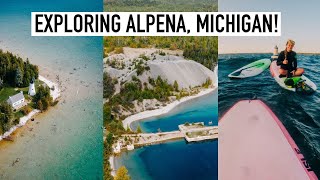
{"points": [[177, 159], [66, 141], [202, 109]]}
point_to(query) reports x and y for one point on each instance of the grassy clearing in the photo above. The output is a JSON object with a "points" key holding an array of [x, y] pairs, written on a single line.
{"points": [[7, 91]]}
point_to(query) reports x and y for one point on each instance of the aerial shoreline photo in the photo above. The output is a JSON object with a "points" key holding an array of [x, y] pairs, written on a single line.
{"points": [[160, 101], [151, 99], [27, 94], [65, 141], [159, 90]]}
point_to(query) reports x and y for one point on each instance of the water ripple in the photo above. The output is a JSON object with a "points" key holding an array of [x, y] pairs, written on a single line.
{"points": [[299, 113]]}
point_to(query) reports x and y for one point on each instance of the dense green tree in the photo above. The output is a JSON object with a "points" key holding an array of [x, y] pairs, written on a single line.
{"points": [[6, 116], [108, 86], [116, 127], [18, 78], [7, 110], [122, 174], [26, 79], [110, 138], [107, 113], [45, 103], [176, 86], [39, 105], [15, 71], [42, 99], [207, 83], [139, 130]]}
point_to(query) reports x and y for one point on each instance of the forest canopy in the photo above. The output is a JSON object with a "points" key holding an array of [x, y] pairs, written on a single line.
{"points": [[16, 72], [201, 49]]}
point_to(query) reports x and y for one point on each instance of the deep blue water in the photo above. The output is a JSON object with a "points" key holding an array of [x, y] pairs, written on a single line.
{"points": [[173, 160], [67, 142], [299, 113], [178, 159]]}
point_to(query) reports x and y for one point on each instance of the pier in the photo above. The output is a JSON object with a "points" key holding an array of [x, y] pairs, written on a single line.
{"points": [[191, 132]]}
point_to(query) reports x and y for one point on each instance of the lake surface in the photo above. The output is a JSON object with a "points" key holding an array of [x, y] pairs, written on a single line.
{"points": [[298, 113]]}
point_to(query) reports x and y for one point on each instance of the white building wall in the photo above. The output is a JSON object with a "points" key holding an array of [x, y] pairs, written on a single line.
{"points": [[18, 102]]}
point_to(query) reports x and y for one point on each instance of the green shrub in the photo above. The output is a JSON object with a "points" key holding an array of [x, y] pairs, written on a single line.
{"points": [[26, 110]]}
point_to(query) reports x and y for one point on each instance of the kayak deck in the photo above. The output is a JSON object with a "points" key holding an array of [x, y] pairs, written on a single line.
{"points": [[274, 70], [253, 144], [251, 69]]}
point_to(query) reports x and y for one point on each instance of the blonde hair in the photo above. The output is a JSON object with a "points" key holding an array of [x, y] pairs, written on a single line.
{"points": [[290, 41]]}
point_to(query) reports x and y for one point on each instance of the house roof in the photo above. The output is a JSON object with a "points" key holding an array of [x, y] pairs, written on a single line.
{"points": [[16, 97]]}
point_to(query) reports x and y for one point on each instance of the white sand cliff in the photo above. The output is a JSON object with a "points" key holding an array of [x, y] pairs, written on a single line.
{"points": [[172, 66], [186, 72]]}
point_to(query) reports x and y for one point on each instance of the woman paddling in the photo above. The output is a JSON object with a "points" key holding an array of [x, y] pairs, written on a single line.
{"points": [[288, 62]]}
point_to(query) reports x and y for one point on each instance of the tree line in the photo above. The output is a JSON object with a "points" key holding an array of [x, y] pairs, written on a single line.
{"points": [[201, 49], [6, 117], [16, 72], [160, 5]]}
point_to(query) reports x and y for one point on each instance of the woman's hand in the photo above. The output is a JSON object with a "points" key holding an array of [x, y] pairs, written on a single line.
{"points": [[285, 61]]}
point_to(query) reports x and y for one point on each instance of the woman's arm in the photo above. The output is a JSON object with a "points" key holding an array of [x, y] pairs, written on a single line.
{"points": [[280, 58]]}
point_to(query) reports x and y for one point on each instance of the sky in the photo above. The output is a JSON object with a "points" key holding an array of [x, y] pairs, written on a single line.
{"points": [[300, 22]]}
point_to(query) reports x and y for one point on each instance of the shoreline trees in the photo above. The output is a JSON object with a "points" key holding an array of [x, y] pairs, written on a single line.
{"points": [[16, 72]]}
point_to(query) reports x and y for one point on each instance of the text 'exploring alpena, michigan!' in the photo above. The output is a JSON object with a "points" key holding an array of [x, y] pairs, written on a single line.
{"points": [[156, 24]]}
